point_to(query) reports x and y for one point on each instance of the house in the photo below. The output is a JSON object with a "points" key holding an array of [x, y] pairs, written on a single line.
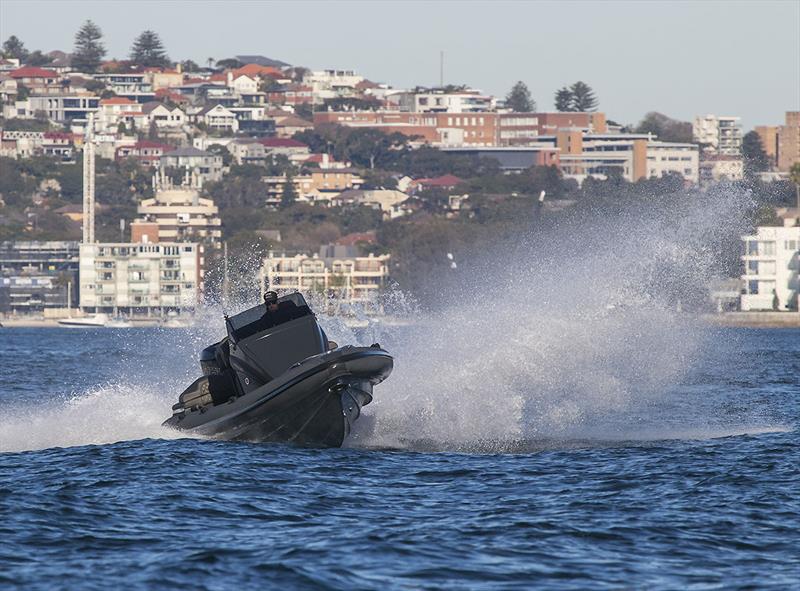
{"points": [[386, 200], [37, 80], [161, 78], [259, 72], [291, 94], [164, 116], [145, 151], [296, 151], [64, 108], [242, 84], [447, 182], [206, 165], [218, 117], [112, 111], [58, 144], [288, 126]]}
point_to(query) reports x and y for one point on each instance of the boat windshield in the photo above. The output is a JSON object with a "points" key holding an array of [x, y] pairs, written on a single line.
{"points": [[259, 318]]}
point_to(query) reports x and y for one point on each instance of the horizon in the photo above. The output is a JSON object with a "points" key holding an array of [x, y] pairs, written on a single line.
{"points": [[735, 84]]}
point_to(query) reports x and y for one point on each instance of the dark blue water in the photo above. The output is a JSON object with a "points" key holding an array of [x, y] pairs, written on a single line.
{"points": [[702, 493]]}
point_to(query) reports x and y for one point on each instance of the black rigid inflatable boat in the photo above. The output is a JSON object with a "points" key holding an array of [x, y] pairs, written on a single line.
{"points": [[277, 377]]}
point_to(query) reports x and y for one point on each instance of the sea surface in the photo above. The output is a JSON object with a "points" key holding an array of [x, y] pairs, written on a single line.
{"points": [[696, 488]]}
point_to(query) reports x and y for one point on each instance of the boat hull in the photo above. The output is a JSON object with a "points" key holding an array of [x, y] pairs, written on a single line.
{"points": [[314, 404]]}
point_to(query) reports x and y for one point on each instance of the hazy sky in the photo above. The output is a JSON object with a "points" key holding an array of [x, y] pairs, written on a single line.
{"points": [[680, 58]]}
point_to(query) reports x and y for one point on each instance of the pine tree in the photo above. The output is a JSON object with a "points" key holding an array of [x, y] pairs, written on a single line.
{"points": [[583, 98], [89, 50], [563, 99], [14, 48], [519, 99], [148, 51], [753, 154], [289, 193]]}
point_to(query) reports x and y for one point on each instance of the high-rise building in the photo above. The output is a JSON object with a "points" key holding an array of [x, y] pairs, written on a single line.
{"points": [[719, 135], [789, 141]]}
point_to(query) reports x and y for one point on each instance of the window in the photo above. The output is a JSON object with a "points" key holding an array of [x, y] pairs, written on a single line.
{"points": [[752, 267], [752, 247], [752, 287], [768, 248]]}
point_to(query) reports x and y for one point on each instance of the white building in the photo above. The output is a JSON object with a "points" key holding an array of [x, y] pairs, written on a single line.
{"points": [[666, 157], [218, 117], [439, 101], [771, 260], [64, 108], [716, 168], [721, 135], [136, 279], [163, 116], [335, 271], [328, 84]]}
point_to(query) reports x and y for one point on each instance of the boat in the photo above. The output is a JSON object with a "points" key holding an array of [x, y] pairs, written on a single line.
{"points": [[93, 321], [276, 377]]}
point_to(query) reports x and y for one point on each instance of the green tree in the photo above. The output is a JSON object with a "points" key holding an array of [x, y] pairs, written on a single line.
{"points": [[563, 99], [666, 128], [148, 51], [519, 99], [37, 58], [583, 97], [753, 154], [794, 176], [89, 49], [14, 48], [229, 63], [189, 66], [289, 195]]}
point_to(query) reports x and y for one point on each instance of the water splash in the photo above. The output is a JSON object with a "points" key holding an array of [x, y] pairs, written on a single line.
{"points": [[570, 333]]}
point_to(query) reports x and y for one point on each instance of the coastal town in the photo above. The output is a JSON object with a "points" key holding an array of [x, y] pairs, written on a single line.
{"points": [[141, 189]]}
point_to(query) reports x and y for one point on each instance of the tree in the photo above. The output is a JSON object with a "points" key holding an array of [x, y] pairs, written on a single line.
{"points": [[666, 128], [563, 99], [230, 63], [37, 58], [289, 194], [189, 66], [148, 51], [519, 99], [794, 176], [89, 50], [583, 98], [14, 48], [753, 154]]}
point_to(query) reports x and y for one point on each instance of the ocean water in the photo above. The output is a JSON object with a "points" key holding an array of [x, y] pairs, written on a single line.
{"points": [[613, 452]]}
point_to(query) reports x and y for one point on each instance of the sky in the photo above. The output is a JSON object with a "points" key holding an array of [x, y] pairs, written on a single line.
{"points": [[679, 58]]}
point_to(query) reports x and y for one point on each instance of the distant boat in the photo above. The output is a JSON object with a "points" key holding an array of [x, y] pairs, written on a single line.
{"points": [[176, 322], [118, 322], [85, 321]]}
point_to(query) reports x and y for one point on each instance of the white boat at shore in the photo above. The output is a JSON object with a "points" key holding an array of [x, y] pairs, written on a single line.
{"points": [[93, 321]]}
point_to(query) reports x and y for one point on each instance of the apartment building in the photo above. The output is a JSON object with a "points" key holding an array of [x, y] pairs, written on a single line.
{"points": [[140, 278], [64, 108], [635, 156], [38, 276], [771, 261], [719, 135], [177, 214], [336, 271], [466, 129], [789, 141], [442, 101]]}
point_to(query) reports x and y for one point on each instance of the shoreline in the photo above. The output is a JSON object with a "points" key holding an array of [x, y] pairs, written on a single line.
{"points": [[726, 319]]}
